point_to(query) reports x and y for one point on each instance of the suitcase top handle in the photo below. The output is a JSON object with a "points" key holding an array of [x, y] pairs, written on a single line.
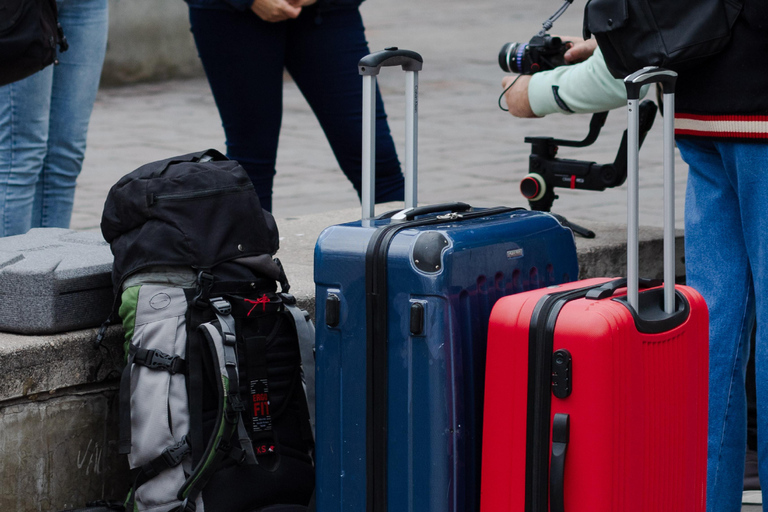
{"points": [[649, 75], [369, 66], [393, 56], [633, 83]]}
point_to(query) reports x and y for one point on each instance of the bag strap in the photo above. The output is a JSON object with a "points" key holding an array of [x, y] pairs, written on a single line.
{"points": [[171, 457], [305, 331], [220, 341]]}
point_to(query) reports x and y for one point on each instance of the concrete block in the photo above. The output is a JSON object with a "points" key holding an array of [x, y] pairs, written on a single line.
{"points": [[54, 280], [35, 366], [606, 254], [61, 453], [149, 40]]}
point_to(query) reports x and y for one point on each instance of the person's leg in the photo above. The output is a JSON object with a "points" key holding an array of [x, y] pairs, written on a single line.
{"points": [[322, 55], [75, 83], [749, 163], [243, 59], [24, 113], [718, 267]]}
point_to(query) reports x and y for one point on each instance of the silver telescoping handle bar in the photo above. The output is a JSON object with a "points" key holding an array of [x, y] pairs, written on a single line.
{"points": [[369, 66], [633, 83]]}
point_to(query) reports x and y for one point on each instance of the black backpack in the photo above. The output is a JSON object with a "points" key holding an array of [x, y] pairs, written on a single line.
{"points": [[215, 403], [29, 36], [673, 34]]}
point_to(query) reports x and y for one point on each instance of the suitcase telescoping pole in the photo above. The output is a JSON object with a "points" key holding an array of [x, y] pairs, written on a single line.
{"points": [[633, 84], [369, 66]]}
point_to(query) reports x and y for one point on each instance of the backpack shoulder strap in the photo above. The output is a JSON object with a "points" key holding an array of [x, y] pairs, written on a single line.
{"points": [[220, 342]]}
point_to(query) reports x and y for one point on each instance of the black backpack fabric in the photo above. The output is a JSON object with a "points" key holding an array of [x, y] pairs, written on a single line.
{"points": [[197, 210], [673, 34], [217, 394], [29, 36]]}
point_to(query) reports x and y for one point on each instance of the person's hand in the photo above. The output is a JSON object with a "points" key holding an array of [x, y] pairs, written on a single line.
{"points": [[276, 10], [517, 96], [580, 50]]}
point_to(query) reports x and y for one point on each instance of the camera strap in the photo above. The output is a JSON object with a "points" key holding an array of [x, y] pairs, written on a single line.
{"points": [[551, 21]]}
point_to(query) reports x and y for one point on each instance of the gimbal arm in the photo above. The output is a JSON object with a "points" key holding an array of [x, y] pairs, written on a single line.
{"points": [[547, 172]]}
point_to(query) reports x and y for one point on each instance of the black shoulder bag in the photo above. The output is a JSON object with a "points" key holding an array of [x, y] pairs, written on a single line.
{"points": [[672, 34], [29, 36]]}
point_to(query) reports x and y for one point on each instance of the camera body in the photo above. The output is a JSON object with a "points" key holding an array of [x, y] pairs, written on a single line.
{"points": [[540, 53]]}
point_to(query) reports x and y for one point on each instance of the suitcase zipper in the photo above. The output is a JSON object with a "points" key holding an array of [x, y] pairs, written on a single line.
{"points": [[540, 348]]}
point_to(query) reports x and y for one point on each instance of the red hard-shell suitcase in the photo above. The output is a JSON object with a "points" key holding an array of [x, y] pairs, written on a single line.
{"points": [[596, 392]]}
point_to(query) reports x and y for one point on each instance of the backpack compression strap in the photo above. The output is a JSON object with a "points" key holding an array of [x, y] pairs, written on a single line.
{"points": [[221, 343]]}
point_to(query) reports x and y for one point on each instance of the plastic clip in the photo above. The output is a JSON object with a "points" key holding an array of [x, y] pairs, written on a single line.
{"points": [[204, 285], [173, 455]]}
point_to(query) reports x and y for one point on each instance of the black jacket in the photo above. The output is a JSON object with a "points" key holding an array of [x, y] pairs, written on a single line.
{"points": [[726, 96]]}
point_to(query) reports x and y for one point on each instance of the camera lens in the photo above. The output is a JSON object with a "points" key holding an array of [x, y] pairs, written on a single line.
{"points": [[510, 57]]}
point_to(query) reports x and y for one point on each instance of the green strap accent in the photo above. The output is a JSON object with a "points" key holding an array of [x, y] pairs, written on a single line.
{"points": [[129, 300]]}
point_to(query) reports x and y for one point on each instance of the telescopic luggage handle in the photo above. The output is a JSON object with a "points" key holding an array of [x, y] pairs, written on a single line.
{"points": [[369, 66], [633, 84]]}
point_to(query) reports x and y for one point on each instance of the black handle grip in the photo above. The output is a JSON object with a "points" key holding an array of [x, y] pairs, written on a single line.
{"points": [[371, 64], [560, 438], [609, 288], [435, 208], [649, 75]]}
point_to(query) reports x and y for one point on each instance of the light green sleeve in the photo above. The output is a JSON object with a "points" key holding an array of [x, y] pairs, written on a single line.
{"points": [[581, 88]]}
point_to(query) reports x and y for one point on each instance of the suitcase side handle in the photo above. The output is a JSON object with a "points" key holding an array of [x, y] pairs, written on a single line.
{"points": [[560, 438], [369, 66], [633, 83]]}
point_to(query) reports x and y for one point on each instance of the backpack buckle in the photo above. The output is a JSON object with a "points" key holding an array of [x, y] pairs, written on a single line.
{"points": [[174, 454], [159, 359], [236, 403], [221, 306], [204, 285]]}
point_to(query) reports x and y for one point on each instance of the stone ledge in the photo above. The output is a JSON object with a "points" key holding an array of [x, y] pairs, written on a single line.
{"points": [[33, 365]]}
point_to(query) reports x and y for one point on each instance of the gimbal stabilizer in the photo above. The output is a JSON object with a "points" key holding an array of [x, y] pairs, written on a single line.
{"points": [[547, 172]]}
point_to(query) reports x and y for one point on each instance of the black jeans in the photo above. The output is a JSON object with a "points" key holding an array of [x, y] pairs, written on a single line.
{"points": [[244, 58]]}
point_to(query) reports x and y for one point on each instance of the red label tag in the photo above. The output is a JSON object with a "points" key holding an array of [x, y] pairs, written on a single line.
{"points": [[262, 420]]}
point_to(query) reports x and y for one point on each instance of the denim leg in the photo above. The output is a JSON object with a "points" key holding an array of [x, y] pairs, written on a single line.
{"points": [[333, 88], [717, 265], [243, 58], [75, 83], [24, 116], [750, 164]]}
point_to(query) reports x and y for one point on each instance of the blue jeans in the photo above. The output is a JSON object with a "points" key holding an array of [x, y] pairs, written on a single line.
{"points": [[244, 58], [726, 258], [44, 122]]}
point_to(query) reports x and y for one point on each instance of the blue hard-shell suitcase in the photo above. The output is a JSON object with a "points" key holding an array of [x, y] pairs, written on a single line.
{"points": [[403, 302]]}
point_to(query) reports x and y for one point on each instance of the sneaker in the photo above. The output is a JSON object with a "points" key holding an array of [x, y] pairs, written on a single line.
{"points": [[752, 498]]}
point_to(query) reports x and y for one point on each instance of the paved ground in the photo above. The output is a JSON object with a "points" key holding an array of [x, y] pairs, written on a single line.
{"points": [[469, 150]]}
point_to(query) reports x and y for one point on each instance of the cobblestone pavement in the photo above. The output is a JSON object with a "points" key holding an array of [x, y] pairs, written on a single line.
{"points": [[469, 149]]}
